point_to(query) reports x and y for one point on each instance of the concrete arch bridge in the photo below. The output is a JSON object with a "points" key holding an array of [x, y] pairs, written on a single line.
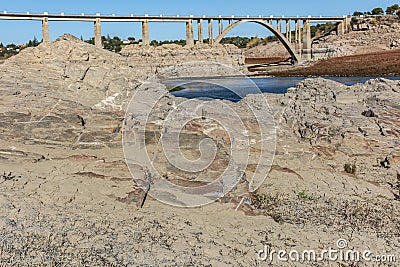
{"points": [[298, 44]]}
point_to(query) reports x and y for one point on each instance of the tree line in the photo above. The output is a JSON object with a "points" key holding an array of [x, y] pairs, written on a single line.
{"points": [[12, 49], [378, 11]]}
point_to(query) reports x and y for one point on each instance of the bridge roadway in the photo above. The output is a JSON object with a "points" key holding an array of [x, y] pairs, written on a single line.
{"points": [[297, 44]]}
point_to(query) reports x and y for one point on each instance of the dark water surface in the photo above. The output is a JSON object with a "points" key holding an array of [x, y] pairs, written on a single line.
{"points": [[234, 89]]}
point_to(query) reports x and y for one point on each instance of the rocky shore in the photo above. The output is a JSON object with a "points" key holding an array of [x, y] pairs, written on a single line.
{"points": [[67, 196]]}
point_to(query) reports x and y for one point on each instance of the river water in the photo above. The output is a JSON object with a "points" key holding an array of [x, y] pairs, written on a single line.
{"points": [[224, 88]]}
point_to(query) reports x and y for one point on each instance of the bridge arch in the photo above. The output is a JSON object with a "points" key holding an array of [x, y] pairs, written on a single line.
{"points": [[295, 56]]}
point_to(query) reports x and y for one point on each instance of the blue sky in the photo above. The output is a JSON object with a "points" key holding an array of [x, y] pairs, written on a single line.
{"points": [[21, 31]]}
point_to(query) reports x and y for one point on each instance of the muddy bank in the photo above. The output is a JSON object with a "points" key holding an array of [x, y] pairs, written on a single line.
{"points": [[372, 64]]}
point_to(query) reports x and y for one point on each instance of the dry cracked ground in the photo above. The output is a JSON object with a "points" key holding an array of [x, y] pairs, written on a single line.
{"points": [[67, 197]]}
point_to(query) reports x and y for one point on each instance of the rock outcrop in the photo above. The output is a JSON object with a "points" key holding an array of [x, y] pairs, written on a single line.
{"points": [[69, 69], [356, 125], [271, 49], [152, 59]]}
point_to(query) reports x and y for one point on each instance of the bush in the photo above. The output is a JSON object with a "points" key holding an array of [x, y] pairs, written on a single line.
{"points": [[253, 42], [394, 9], [240, 42], [377, 11], [303, 195], [350, 168]]}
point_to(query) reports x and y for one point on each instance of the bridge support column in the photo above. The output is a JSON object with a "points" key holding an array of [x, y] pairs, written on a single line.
{"points": [[344, 26], [220, 27], [288, 33], [280, 26], [307, 39], [97, 34], [145, 33], [347, 25], [45, 30], [295, 35], [189, 33], [298, 36], [340, 29], [210, 32], [200, 31]]}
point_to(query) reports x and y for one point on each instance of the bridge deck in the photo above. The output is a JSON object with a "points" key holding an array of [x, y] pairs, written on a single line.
{"points": [[160, 18]]}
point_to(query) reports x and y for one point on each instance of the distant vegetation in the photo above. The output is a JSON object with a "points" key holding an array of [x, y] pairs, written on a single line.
{"points": [[378, 11], [113, 44], [240, 42], [158, 43], [321, 29], [394, 9], [10, 50]]}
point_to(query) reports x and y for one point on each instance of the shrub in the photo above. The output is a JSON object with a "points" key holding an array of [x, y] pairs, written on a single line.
{"points": [[350, 168], [394, 9], [377, 11], [253, 42]]}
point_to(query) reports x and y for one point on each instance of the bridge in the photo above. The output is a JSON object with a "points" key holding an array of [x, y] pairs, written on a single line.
{"points": [[298, 44]]}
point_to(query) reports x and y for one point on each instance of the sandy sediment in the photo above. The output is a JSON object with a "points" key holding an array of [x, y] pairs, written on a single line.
{"points": [[370, 64]]}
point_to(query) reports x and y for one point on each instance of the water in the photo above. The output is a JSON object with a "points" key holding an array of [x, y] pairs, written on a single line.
{"points": [[217, 88]]}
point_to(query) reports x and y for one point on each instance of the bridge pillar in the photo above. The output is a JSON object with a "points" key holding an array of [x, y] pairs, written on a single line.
{"points": [[298, 36], [280, 26], [210, 32], [340, 29], [45, 30], [200, 31], [220, 26], [347, 24], [189, 33], [145, 32], [307, 39], [288, 33], [344, 26], [97, 34]]}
